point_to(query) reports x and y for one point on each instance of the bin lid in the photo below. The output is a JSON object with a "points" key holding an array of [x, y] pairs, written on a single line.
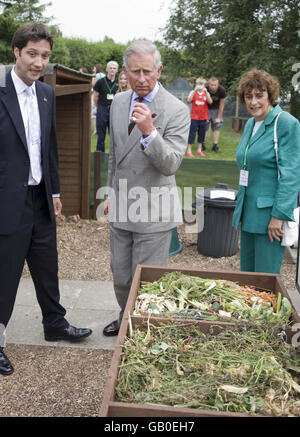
{"points": [[220, 196]]}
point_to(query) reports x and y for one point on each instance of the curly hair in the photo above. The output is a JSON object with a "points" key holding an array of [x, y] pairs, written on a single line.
{"points": [[260, 80]]}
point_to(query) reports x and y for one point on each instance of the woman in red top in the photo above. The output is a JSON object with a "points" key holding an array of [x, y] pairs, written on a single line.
{"points": [[199, 98]]}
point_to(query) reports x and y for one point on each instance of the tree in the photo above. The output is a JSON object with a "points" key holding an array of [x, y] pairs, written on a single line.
{"points": [[12, 14], [60, 53], [87, 54], [228, 37], [25, 10]]}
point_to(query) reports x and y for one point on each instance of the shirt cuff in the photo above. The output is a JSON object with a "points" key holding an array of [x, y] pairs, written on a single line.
{"points": [[55, 195], [147, 139]]}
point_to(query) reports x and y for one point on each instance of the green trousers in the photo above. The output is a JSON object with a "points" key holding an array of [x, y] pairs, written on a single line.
{"points": [[258, 254]]}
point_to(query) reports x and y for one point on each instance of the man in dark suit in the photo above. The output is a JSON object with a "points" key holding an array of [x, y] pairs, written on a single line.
{"points": [[29, 186]]}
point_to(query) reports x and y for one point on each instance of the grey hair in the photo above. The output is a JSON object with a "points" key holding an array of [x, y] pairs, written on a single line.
{"points": [[111, 63], [142, 46]]}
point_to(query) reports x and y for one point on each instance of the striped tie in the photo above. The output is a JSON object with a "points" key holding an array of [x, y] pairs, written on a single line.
{"points": [[132, 123]]}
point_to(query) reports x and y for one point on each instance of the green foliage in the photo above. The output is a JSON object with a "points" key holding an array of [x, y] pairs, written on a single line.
{"points": [[25, 10], [87, 54], [8, 26], [12, 14], [228, 37]]}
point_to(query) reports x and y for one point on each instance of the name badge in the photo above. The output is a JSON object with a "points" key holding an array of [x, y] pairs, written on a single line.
{"points": [[110, 96], [244, 175]]}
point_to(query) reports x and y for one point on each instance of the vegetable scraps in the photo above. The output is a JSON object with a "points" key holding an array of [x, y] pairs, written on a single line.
{"points": [[184, 296], [245, 370]]}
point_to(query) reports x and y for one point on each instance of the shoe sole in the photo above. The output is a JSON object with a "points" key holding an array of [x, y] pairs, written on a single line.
{"points": [[7, 373], [111, 335], [72, 340]]}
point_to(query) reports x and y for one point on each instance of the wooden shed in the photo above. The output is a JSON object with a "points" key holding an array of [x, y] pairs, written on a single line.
{"points": [[181, 88], [73, 122]]}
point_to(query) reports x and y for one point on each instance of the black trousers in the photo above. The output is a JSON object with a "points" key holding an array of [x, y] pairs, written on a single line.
{"points": [[102, 123], [35, 242]]}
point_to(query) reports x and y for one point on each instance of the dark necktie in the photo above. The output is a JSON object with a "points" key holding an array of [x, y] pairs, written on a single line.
{"points": [[132, 123]]}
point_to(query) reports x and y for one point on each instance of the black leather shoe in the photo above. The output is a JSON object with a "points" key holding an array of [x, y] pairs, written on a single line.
{"points": [[6, 367], [216, 149], [68, 334], [111, 329]]}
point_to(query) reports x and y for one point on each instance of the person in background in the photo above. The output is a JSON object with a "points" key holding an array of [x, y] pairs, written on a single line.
{"points": [[29, 186], [98, 74], [104, 92], [264, 201], [123, 84], [199, 98], [215, 110], [148, 139], [83, 70]]}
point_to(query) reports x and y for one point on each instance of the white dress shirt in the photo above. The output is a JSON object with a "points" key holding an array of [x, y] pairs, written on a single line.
{"points": [[21, 88]]}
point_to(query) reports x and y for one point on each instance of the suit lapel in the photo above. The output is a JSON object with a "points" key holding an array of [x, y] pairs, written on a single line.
{"points": [[258, 134], [134, 138], [268, 120], [42, 103], [11, 102]]}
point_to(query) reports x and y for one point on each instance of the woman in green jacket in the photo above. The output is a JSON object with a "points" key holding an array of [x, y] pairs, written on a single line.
{"points": [[264, 201]]}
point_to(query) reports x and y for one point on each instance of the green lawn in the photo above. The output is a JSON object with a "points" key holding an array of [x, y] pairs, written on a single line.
{"points": [[228, 142], [196, 172]]}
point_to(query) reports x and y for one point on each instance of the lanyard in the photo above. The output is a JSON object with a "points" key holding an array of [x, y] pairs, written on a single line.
{"points": [[246, 152], [108, 87], [247, 147]]}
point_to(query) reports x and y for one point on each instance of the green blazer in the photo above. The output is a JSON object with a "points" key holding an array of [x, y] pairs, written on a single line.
{"points": [[265, 195]]}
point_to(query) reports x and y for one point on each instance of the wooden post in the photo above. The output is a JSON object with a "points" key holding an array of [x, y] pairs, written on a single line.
{"points": [[85, 157], [237, 103], [97, 178]]}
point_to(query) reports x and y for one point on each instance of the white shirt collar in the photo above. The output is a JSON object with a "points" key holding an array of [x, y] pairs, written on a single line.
{"points": [[149, 96], [20, 86]]}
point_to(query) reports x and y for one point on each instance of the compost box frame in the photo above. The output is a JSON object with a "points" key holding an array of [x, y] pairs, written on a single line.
{"points": [[110, 407]]}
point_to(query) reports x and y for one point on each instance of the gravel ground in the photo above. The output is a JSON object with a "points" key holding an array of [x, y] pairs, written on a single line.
{"points": [[83, 250], [77, 376]]}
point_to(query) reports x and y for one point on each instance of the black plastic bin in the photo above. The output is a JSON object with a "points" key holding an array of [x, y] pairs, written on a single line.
{"points": [[218, 238]]}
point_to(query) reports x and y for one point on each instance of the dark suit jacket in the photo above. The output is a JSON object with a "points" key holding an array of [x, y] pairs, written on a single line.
{"points": [[14, 158]]}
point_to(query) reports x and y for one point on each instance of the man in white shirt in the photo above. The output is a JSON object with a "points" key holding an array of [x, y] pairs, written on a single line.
{"points": [[29, 187]]}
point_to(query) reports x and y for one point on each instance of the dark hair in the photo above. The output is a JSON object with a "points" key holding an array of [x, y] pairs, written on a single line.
{"points": [[99, 68], [31, 32], [261, 80]]}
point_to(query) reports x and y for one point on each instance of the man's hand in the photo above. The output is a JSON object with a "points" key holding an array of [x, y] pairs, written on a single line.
{"points": [[217, 120], [275, 229], [143, 118], [57, 206]]}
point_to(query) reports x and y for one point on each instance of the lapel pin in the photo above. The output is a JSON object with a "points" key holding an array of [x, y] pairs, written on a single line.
{"points": [[45, 100]]}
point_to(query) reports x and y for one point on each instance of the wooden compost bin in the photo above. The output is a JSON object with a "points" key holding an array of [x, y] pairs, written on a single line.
{"points": [[110, 407], [73, 122]]}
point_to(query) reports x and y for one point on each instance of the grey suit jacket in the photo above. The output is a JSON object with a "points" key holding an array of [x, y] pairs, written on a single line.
{"points": [[143, 195]]}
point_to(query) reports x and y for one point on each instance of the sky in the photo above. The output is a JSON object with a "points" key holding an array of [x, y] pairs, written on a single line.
{"points": [[120, 20]]}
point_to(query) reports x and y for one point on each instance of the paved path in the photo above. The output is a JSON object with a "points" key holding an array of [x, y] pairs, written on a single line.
{"points": [[89, 304]]}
